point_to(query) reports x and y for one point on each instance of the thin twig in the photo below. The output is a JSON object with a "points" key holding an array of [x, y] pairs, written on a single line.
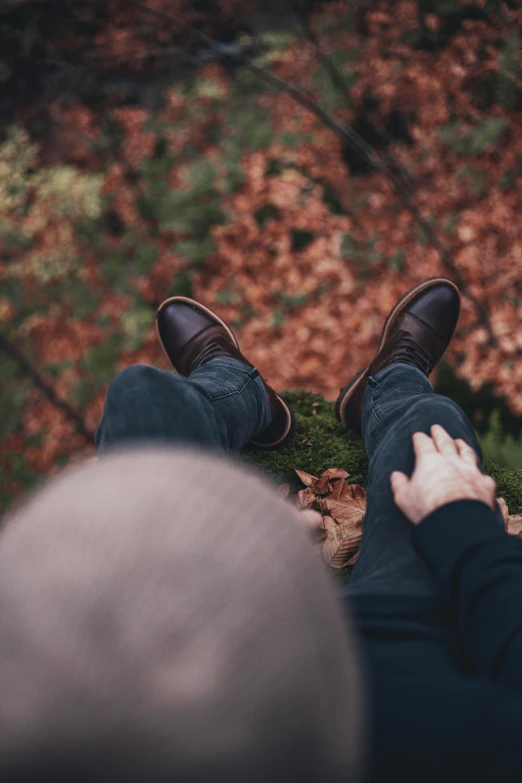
{"points": [[14, 353]]}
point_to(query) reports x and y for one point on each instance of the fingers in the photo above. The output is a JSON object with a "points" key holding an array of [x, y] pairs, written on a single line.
{"points": [[492, 486], [466, 452], [422, 444], [399, 482], [444, 443]]}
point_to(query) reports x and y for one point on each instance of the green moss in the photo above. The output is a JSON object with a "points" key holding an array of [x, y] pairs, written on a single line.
{"points": [[320, 442]]}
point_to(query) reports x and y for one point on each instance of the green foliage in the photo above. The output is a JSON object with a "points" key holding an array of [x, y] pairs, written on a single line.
{"points": [[13, 391], [136, 323], [508, 79], [103, 360], [501, 447], [246, 314], [476, 180], [250, 129], [229, 295], [419, 232], [19, 467], [278, 318], [451, 224], [33, 201], [182, 284], [195, 251], [361, 251], [145, 256], [397, 260], [201, 176], [473, 142], [187, 213], [273, 44], [335, 81], [291, 301]]}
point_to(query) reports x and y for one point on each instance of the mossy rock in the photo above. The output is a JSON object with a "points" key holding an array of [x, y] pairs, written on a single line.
{"points": [[320, 442]]}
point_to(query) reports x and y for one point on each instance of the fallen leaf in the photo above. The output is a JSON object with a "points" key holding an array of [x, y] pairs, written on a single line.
{"points": [[352, 561], [306, 478], [322, 485], [343, 507], [304, 499], [514, 525], [512, 522], [335, 473], [341, 541], [352, 505]]}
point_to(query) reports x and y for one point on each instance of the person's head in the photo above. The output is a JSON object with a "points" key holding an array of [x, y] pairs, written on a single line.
{"points": [[163, 616]]}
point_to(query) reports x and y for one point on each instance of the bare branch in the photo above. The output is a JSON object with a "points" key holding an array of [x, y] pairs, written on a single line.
{"points": [[14, 353]]}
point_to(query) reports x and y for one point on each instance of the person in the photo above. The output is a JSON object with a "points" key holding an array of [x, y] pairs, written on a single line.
{"points": [[433, 601]]}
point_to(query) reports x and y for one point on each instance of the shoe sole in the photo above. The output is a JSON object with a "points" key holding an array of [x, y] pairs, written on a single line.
{"points": [[212, 314], [348, 390]]}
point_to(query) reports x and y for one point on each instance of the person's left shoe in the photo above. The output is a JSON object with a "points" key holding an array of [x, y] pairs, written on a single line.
{"points": [[191, 335]]}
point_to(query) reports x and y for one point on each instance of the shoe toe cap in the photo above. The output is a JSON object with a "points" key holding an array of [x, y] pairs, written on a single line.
{"points": [[438, 307]]}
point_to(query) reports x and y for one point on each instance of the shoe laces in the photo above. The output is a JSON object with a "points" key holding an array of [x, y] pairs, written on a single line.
{"points": [[407, 349]]}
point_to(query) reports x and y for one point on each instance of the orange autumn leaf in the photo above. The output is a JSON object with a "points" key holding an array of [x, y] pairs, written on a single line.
{"points": [[512, 522], [342, 505], [323, 484], [305, 498], [340, 543]]}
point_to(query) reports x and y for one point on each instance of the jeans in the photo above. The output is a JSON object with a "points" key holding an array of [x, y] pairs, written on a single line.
{"points": [[223, 404]]}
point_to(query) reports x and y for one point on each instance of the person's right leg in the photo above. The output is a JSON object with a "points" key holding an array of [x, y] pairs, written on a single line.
{"points": [[399, 400], [218, 408]]}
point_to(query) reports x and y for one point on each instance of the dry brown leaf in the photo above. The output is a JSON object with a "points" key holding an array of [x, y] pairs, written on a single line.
{"points": [[341, 541], [324, 483], [335, 473], [352, 561], [347, 516], [338, 489], [343, 507], [512, 522], [514, 525], [306, 478], [304, 499], [352, 503]]}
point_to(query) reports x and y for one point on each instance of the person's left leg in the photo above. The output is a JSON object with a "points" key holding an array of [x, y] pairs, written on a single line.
{"points": [[219, 407]]}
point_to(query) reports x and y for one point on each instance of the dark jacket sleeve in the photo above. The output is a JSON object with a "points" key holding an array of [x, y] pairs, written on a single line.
{"points": [[479, 568]]}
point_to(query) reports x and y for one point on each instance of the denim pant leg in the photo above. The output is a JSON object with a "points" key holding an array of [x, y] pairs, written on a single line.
{"points": [[220, 407], [398, 401]]}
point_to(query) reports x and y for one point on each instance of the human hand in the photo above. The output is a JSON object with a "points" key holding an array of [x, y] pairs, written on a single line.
{"points": [[445, 470]]}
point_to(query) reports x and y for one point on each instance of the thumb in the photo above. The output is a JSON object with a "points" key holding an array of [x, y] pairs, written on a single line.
{"points": [[398, 481]]}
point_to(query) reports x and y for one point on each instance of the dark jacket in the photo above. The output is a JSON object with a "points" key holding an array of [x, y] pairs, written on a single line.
{"points": [[445, 674]]}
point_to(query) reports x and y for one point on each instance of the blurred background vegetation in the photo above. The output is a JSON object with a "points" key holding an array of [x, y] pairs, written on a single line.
{"points": [[296, 168]]}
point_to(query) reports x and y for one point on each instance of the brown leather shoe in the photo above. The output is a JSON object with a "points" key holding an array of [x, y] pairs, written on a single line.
{"points": [[191, 334], [417, 331]]}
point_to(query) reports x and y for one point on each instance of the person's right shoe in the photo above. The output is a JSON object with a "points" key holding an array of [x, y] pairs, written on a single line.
{"points": [[417, 331]]}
